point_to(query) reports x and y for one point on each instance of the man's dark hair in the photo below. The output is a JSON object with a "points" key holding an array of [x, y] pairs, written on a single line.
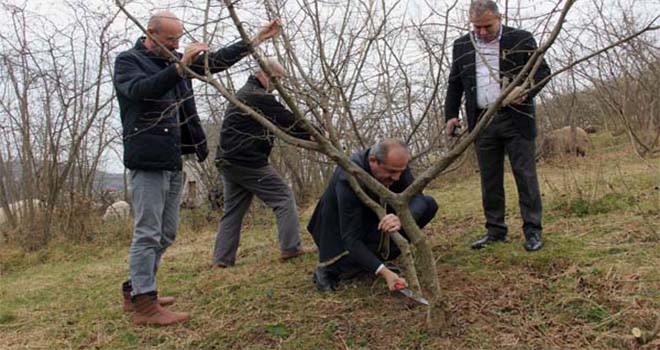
{"points": [[382, 148], [479, 8]]}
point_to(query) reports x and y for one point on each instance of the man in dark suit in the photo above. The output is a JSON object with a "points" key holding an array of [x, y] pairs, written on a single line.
{"points": [[349, 235], [483, 62]]}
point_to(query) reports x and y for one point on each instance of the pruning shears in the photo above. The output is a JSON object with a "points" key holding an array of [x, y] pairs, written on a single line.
{"points": [[401, 288]]}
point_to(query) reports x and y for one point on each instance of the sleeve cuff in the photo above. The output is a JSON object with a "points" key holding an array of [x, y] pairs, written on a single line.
{"points": [[379, 269]]}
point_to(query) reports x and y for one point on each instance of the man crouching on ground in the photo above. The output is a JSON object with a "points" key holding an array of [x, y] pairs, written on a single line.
{"points": [[349, 234]]}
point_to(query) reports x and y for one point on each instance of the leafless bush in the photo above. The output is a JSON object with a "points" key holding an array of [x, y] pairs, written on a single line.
{"points": [[360, 70], [57, 110], [615, 91]]}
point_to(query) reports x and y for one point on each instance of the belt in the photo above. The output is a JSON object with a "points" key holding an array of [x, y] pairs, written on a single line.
{"points": [[498, 114]]}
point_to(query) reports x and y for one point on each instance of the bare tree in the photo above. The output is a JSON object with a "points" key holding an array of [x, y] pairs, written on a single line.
{"points": [[363, 70], [615, 91], [56, 108]]}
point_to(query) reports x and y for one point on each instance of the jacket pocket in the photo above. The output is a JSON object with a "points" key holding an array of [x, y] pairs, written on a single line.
{"points": [[152, 147]]}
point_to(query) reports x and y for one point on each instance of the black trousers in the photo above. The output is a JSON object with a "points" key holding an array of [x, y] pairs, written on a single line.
{"points": [[499, 138], [422, 208]]}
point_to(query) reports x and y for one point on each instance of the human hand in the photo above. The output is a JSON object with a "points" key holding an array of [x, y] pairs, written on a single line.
{"points": [[516, 97], [268, 31], [389, 223], [394, 282], [192, 51], [452, 125]]}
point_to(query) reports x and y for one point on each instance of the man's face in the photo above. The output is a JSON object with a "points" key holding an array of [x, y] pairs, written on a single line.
{"points": [[278, 74], [168, 35], [390, 171], [487, 26]]}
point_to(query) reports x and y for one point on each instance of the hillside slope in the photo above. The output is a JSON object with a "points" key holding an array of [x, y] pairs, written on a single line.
{"points": [[596, 279]]}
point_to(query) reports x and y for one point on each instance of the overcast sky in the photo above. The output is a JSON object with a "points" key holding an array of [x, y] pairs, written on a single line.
{"points": [[414, 11]]}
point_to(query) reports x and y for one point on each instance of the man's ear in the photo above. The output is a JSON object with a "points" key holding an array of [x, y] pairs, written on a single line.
{"points": [[263, 79], [151, 32]]}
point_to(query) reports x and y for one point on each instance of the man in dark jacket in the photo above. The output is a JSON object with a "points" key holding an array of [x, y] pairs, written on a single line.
{"points": [[483, 61], [349, 234], [242, 161], [160, 123]]}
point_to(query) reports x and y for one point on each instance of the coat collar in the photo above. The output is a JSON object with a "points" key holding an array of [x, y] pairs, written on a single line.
{"points": [[252, 80], [361, 158], [139, 46], [506, 44], [478, 41]]}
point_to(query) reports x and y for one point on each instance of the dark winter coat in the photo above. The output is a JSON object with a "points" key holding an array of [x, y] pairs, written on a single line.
{"points": [[157, 107], [245, 142]]}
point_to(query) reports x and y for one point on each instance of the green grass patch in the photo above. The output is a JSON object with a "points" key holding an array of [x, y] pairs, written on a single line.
{"points": [[7, 317], [597, 272], [587, 310], [278, 330], [582, 207]]}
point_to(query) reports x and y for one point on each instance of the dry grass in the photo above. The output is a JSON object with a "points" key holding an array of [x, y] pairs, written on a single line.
{"points": [[595, 280]]}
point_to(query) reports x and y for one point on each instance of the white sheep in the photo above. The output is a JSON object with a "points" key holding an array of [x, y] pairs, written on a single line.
{"points": [[559, 141], [117, 210], [18, 209]]}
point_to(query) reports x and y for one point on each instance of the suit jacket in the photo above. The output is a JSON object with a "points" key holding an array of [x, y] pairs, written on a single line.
{"points": [[342, 224], [516, 47]]}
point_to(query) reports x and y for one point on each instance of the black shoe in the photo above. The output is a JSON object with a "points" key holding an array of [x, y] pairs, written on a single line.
{"points": [[325, 279], [486, 240], [533, 241]]}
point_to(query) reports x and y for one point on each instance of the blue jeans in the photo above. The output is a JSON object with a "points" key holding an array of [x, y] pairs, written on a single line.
{"points": [[156, 200]]}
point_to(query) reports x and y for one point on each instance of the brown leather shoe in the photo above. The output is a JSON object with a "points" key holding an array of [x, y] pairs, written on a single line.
{"points": [[162, 301], [149, 312], [302, 250]]}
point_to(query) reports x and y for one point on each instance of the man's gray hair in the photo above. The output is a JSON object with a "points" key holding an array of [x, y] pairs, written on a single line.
{"points": [[381, 149], [156, 20], [273, 64], [479, 8]]}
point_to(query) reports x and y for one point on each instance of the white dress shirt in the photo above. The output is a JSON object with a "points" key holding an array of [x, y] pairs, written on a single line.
{"points": [[487, 69]]}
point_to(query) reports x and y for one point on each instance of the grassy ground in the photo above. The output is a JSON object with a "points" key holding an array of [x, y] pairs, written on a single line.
{"points": [[596, 279]]}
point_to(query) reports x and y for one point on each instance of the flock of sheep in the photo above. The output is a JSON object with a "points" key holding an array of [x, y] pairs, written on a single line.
{"points": [[115, 211], [553, 143]]}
